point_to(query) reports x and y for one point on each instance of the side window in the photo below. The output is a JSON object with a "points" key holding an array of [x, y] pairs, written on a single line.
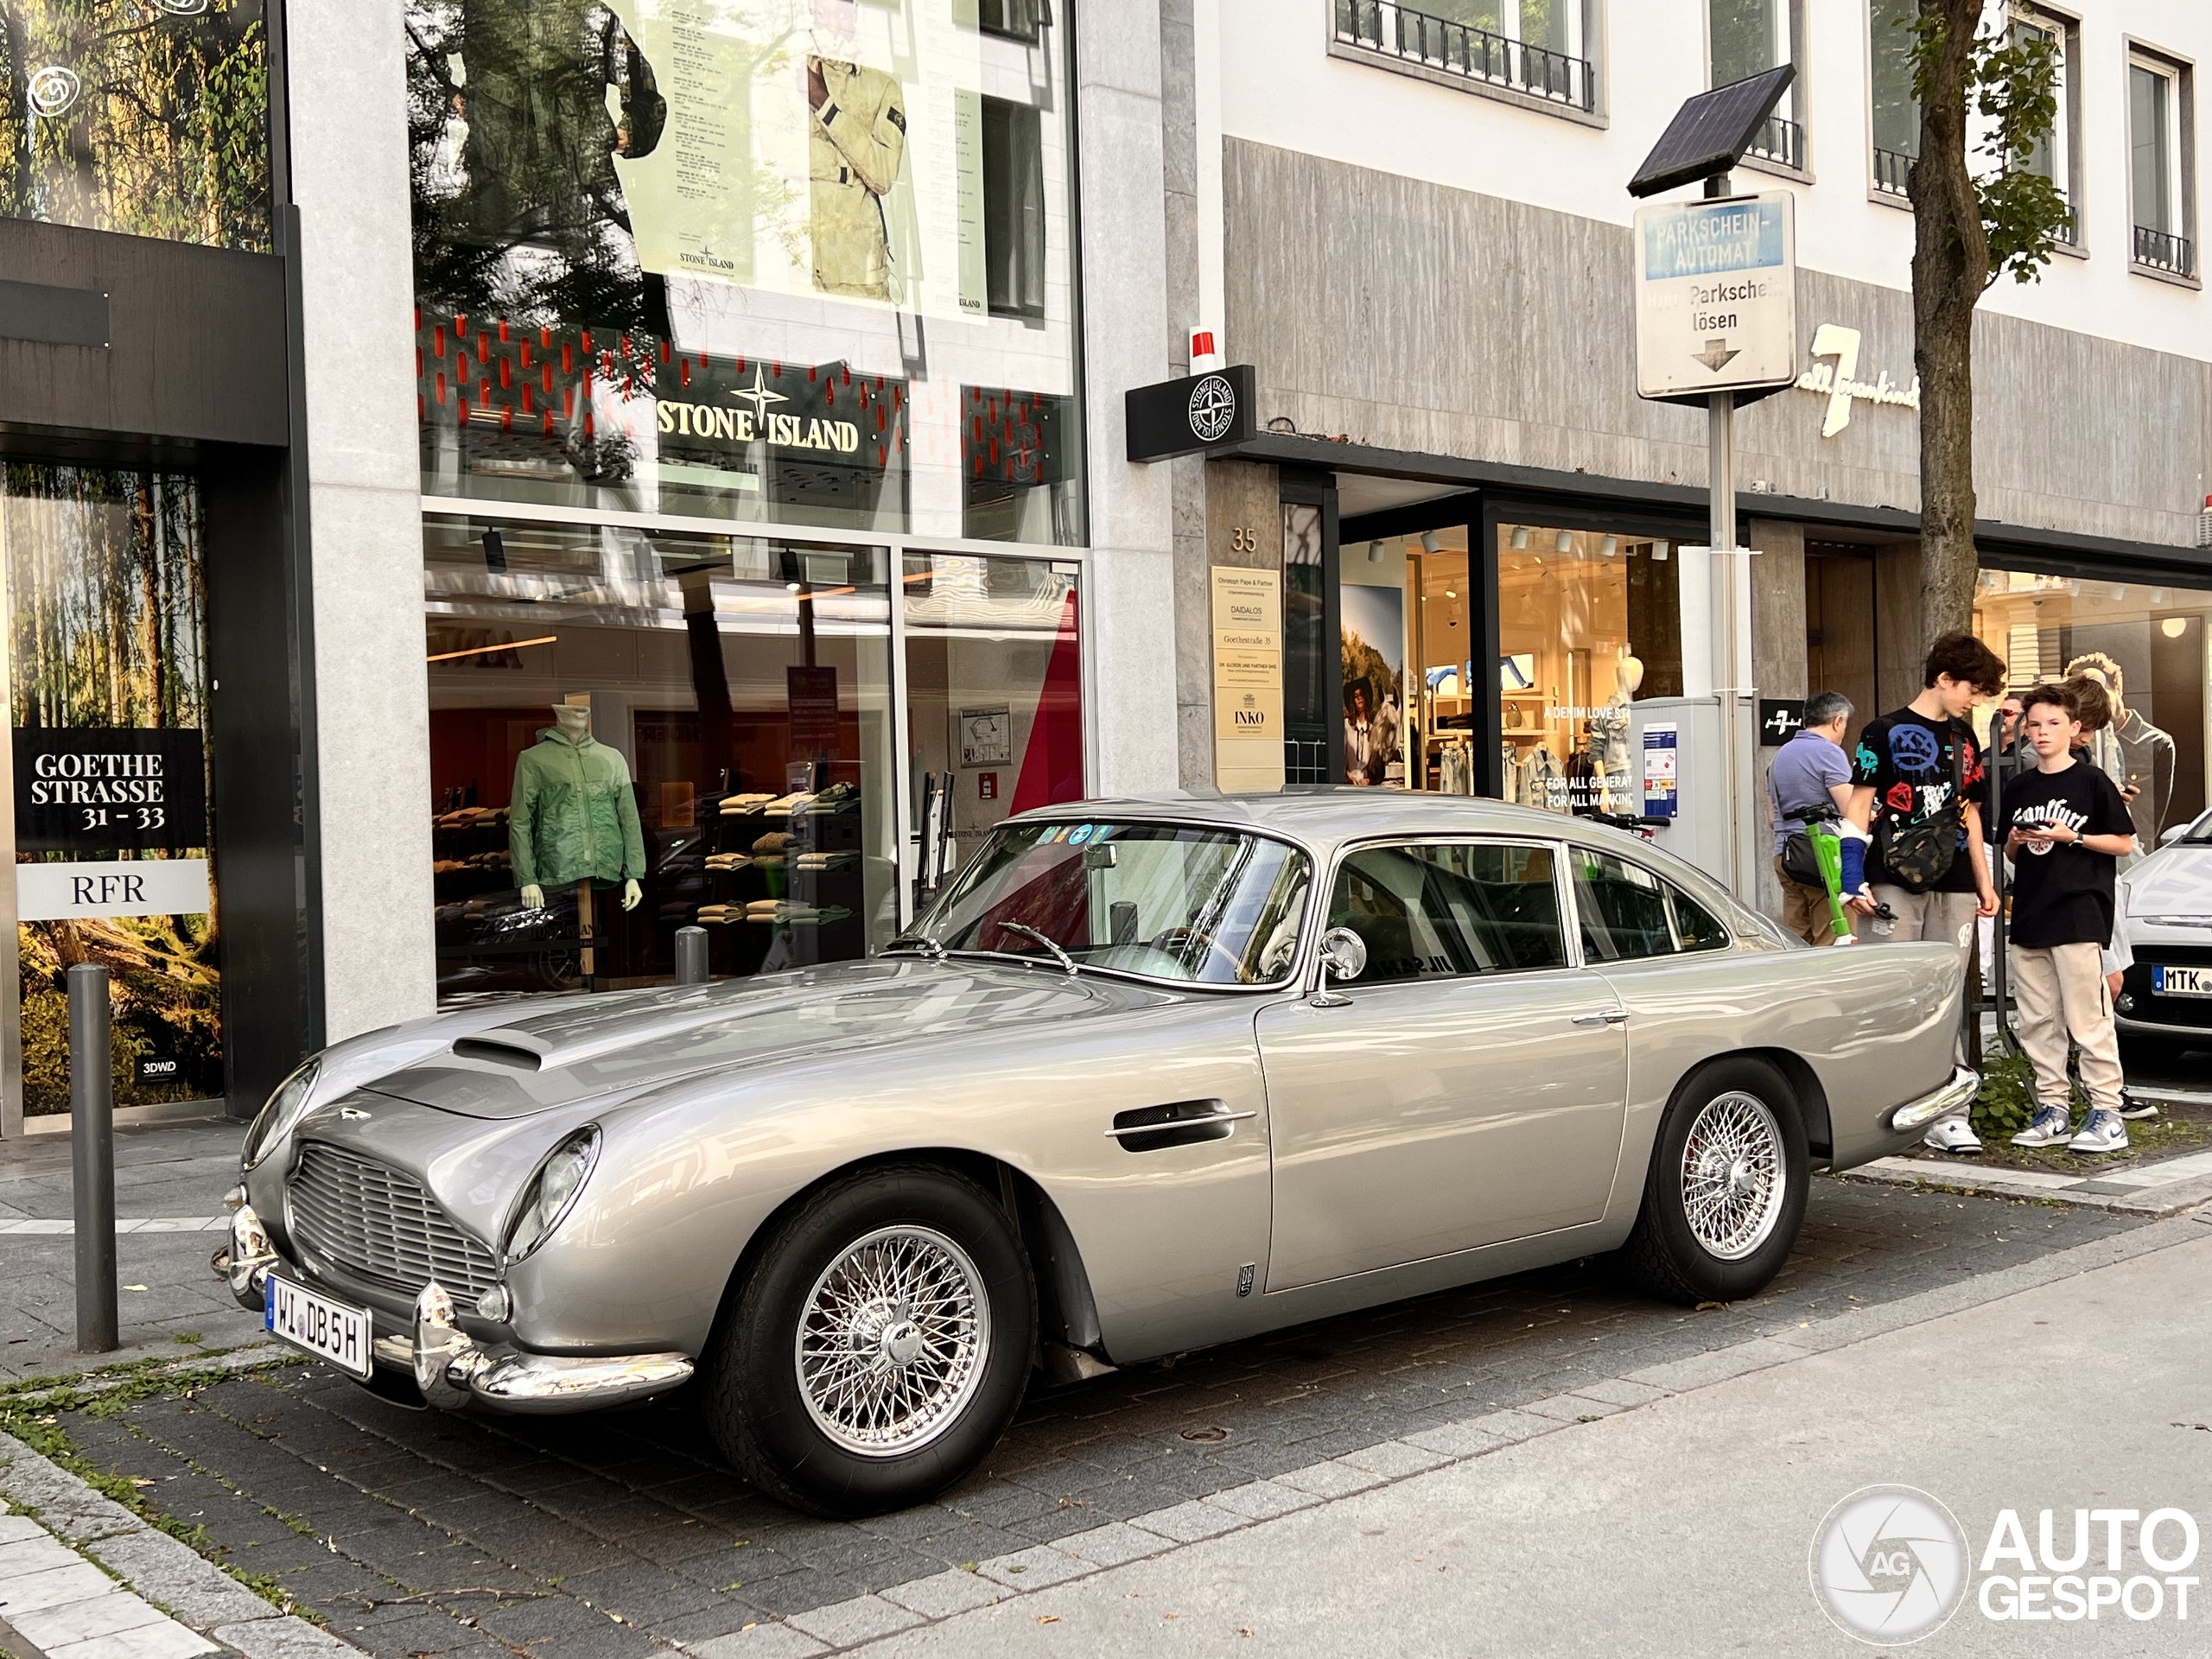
{"points": [[1628, 913], [1444, 910]]}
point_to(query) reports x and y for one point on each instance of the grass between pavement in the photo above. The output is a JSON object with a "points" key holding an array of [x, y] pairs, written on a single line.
{"points": [[2007, 1104]]}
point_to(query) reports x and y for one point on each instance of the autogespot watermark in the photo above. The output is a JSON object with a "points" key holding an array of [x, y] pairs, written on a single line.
{"points": [[1891, 1565]]}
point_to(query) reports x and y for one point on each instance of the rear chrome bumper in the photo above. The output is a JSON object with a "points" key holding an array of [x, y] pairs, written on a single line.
{"points": [[1960, 1091], [450, 1367]]}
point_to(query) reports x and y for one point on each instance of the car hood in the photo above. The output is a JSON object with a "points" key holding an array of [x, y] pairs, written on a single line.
{"points": [[2173, 881], [621, 1044]]}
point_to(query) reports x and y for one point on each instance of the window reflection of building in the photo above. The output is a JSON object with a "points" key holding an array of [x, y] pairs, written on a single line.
{"points": [[2148, 640]]}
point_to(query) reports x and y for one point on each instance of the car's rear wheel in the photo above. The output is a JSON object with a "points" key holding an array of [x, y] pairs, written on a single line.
{"points": [[879, 1345], [1725, 1194]]}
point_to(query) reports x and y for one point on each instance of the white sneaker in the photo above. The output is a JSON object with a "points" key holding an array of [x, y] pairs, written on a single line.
{"points": [[2135, 1108], [2104, 1132], [2052, 1128], [1952, 1135]]}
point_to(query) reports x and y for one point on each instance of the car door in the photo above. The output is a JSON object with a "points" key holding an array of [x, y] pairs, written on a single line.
{"points": [[1470, 1088]]}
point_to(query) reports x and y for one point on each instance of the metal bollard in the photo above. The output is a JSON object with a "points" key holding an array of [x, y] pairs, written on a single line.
{"points": [[91, 1155], [690, 955]]}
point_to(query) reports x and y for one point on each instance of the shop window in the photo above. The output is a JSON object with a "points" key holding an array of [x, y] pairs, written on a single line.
{"points": [[993, 695], [1017, 465], [147, 119], [108, 680], [1309, 663], [1895, 108], [632, 732], [1748, 37], [2147, 641], [2158, 166], [1013, 210], [755, 289]]}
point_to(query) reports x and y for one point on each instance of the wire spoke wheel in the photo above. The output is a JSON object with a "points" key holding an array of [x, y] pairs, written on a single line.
{"points": [[1733, 1175], [893, 1341]]}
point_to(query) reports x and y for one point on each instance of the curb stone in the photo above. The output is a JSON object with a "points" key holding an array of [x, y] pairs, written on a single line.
{"points": [[153, 1566], [1163, 1531]]}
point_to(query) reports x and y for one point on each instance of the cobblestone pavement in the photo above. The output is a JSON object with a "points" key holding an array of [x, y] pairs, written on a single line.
{"points": [[165, 1293], [415, 1533]]}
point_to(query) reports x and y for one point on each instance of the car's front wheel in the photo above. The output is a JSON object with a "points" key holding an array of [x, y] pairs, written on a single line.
{"points": [[1725, 1192], [879, 1345]]}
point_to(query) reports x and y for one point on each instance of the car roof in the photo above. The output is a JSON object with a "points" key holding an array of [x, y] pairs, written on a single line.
{"points": [[1324, 817]]}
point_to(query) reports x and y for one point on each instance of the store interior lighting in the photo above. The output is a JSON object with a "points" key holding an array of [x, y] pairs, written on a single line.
{"points": [[1564, 544], [1659, 551], [1375, 552], [1428, 543], [1520, 536], [2174, 627], [1610, 545]]}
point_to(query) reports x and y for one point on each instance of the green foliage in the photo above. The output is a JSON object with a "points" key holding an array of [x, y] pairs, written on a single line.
{"points": [[2012, 86], [2007, 1104]]}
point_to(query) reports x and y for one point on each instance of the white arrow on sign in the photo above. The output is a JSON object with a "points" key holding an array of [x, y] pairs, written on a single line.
{"points": [[1716, 355]]}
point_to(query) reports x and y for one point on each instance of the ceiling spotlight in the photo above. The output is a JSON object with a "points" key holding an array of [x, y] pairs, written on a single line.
{"points": [[1565, 542], [2174, 627], [1659, 551], [1610, 546], [1520, 536], [1450, 593], [1428, 541], [2120, 592], [2074, 588], [1375, 552], [2158, 596]]}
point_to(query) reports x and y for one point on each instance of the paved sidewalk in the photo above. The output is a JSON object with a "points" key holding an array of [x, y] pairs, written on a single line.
{"points": [[2150, 1189], [1677, 1519], [169, 1182]]}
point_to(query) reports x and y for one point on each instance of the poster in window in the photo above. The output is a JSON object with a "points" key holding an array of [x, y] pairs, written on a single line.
{"points": [[1373, 645]]}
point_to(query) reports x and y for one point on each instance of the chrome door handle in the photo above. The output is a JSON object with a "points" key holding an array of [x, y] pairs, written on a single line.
{"points": [[1609, 1017]]}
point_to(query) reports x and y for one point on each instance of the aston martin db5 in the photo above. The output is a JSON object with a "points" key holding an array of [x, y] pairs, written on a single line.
{"points": [[1147, 1075]]}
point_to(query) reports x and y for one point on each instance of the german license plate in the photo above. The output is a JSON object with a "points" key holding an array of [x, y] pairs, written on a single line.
{"points": [[2182, 982], [338, 1333]]}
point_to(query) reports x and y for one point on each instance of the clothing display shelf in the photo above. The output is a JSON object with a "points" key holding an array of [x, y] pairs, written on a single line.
{"points": [[783, 863], [472, 879]]}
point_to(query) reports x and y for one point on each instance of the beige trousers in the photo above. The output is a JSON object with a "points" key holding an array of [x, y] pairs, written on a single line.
{"points": [[1805, 910], [2061, 994], [1933, 917]]}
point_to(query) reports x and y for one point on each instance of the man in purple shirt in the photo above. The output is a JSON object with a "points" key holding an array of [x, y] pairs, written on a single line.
{"points": [[1810, 771]]}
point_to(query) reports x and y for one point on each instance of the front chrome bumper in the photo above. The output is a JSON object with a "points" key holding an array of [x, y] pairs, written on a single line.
{"points": [[1960, 1091], [450, 1367]]}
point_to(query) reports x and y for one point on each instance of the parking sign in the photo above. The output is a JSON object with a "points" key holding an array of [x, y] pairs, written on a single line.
{"points": [[1716, 294]]}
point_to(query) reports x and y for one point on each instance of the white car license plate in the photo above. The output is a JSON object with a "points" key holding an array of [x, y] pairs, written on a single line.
{"points": [[2182, 982], [338, 1333]]}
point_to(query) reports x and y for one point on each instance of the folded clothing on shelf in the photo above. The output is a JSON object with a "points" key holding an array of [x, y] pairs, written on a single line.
{"points": [[791, 913], [774, 841], [711, 914], [738, 803], [789, 804], [727, 861], [838, 797], [827, 860]]}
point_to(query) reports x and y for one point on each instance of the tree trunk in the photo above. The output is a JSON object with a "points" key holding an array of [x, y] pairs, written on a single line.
{"points": [[1950, 270]]}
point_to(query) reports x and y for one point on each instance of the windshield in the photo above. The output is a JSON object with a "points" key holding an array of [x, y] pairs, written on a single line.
{"points": [[1165, 901], [2201, 830]]}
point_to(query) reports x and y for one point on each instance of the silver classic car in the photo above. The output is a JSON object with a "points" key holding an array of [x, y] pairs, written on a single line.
{"points": [[1151, 1074]]}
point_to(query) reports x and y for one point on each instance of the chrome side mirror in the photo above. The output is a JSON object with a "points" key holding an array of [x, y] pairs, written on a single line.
{"points": [[1344, 953]]}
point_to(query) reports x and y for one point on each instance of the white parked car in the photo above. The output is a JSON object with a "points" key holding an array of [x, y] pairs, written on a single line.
{"points": [[2165, 1002]]}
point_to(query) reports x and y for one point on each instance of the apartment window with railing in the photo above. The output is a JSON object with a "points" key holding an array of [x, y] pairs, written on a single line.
{"points": [[1537, 49], [2159, 166], [2055, 158], [1744, 37], [1894, 111]]}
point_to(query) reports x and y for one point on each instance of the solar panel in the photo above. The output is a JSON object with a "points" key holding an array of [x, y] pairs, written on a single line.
{"points": [[1710, 133]]}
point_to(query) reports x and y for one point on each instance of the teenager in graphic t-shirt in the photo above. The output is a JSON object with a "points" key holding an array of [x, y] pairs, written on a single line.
{"points": [[2065, 828], [1905, 768]]}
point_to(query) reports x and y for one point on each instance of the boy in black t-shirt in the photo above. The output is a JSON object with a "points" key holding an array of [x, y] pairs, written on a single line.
{"points": [[2065, 828]]}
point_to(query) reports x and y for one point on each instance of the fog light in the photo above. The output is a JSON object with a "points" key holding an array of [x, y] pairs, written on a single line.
{"points": [[2127, 1003], [496, 1304]]}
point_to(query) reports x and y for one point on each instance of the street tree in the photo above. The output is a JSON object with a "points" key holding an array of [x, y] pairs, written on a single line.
{"points": [[1983, 209]]}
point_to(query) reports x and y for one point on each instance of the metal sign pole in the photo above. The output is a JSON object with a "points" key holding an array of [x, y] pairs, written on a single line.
{"points": [[1720, 427]]}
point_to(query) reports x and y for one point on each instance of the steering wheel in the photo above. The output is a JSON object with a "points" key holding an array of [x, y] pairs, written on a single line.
{"points": [[1173, 941]]}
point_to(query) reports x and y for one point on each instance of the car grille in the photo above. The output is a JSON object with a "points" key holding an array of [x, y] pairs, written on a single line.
{"points": [[367, 1218]]}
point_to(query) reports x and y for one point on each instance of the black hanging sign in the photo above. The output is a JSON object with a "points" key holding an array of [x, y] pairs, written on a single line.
{"points": [[88, 789], [1181, 418], [1780, 719]]}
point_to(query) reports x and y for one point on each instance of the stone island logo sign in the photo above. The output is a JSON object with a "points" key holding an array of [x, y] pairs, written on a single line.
{"points": [[1213, 408], [1889, 1565], [757, 420], [1839, 382]]}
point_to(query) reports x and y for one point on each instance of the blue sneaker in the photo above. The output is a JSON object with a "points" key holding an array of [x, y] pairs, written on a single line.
{"points": [[2051, 1127], [2104, 1132]]}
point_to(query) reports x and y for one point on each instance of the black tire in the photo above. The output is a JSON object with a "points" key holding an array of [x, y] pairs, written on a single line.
{"points": [[756, 1408], [1665, 1255]]}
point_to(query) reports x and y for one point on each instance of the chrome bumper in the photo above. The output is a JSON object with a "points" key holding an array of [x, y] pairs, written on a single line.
{"points": [[1964, 1085], [449, 1366]]}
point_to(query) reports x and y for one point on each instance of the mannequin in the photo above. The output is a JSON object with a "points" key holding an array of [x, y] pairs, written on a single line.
{"points": [[572, 816], [1609, 734]]}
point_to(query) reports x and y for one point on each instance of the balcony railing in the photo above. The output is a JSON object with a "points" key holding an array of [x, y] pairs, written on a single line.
{"points": [[1780, 141], [2162, 250], [1461, 49], [1891, 168]]}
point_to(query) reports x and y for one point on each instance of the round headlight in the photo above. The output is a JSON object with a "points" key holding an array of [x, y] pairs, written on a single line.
{"points": [[282, 1115], [551, 1192]]}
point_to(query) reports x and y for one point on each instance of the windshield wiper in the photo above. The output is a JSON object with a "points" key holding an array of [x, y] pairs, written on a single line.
{"points": [[922, 942], [1066, 960]]}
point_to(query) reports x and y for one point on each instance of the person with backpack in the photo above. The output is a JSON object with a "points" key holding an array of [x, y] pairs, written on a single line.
{"points": [[2066, 827], [1810, 779], [1919, 780]]}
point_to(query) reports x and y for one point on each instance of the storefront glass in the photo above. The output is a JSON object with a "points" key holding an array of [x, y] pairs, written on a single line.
{"points": [[2147, 640], [804, 261], [106, 612], [632, 732], [993, 694], [149, 118]]}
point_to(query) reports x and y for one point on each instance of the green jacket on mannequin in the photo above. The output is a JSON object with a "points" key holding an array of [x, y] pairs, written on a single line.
{"points": [[572, 816]]}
